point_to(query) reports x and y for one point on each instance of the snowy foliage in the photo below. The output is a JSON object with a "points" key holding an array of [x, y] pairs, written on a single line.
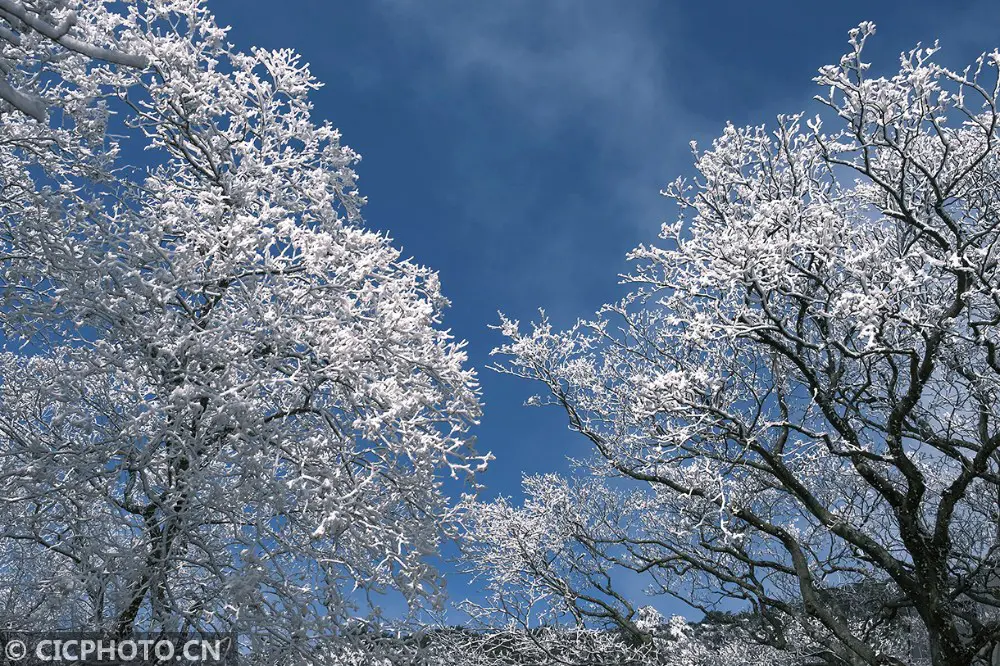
{"points": [[224, 403], [52, 51], [679, 644], [795, 409]]}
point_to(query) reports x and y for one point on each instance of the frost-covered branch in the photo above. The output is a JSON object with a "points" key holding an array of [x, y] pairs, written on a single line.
{"points": [[29, 30]]}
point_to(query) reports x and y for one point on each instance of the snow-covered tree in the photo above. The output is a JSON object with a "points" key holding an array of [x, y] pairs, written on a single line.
{"points": [[224, 403], [47, 43], [677, 643], [795, 409]]}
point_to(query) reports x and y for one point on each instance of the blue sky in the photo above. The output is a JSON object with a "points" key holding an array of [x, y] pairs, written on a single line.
{"points": [[518, 146]]}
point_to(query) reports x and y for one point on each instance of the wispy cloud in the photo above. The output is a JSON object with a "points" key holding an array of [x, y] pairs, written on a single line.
{"points": [[596, 72], [552, 61], [598, 66]]}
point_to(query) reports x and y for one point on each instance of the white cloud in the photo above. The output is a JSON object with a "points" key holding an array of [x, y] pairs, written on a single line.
{"points": [[545, 59], [595, 66]]}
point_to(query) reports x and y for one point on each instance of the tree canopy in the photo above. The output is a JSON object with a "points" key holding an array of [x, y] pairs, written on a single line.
{"points": [[225, 405], [794, 409]]}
